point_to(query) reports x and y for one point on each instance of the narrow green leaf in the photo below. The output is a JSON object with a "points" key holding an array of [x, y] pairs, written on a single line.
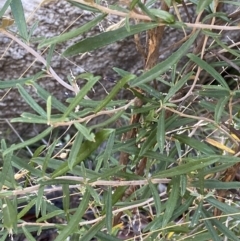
{"points": [[4, 8], [50, 215], [108, 149], [197, 145], [6, 165], [183, 184], [171, 202], [151, 91], [55, 102], [184, 207], [224, 46], [31, 102], [215, 184], [118, 193], [175, 121], [175, 88], [157, 201], [30, 118], [210, 227], [228, 159], [4, 235], [106, 173], [224, 207], [49, 55], [92, 231], [18, 14], [9, 215], [21, 163], [215, 87], [32, 29], [223, 229], [161, 131], [204, 65], [199, 237], [162, 67], [178, 148], [147, 11], [158, 156], [73, 33], [49, 108], [28, 142], [77, 170], [109, 209], [85, 7], [168, 2], [163, 15], [218, 168], [233, 3], [44, 208], [49, 154], [133, 4], [106, 237], [197, 214], [219, 108], [39, 200], [114, 91], [149, 142], [121, 72], [127, 24], [95, 195], [74, 150], [201, 181], [26, 209], [85, 150], [154, 225], [14, 82], [28, 235], [75, 219], [214, 93], [66, 199], [85, 131], [60, 181], [202, 4], [106, 38], [192, 165], [81, 94]]}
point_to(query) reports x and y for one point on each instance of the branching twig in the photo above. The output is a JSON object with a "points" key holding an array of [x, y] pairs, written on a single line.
{"points": [[222, 128], [90, 117], [38, 57], [146, 18], [83, 181]]}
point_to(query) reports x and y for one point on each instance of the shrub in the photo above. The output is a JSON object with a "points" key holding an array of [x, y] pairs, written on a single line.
{"points": [[162, 164]]}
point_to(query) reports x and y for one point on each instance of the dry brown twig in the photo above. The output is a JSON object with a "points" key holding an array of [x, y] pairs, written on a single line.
{"points": [[146, 18], [220, 127], [84, 181], [38, 56], [129, 207]]}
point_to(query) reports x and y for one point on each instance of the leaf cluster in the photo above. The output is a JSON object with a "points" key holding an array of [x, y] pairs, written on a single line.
{"points": [[179, 132]]}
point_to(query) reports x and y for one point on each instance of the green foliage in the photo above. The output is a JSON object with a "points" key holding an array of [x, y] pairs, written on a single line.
{"points": [[175, 131]]}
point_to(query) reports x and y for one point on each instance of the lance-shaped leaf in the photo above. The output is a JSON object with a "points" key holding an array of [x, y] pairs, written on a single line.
{"points": [[76, 218], [18, 14], [204, 65], [85, 150], [106, 38], [162, 67], [72, 34]]}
